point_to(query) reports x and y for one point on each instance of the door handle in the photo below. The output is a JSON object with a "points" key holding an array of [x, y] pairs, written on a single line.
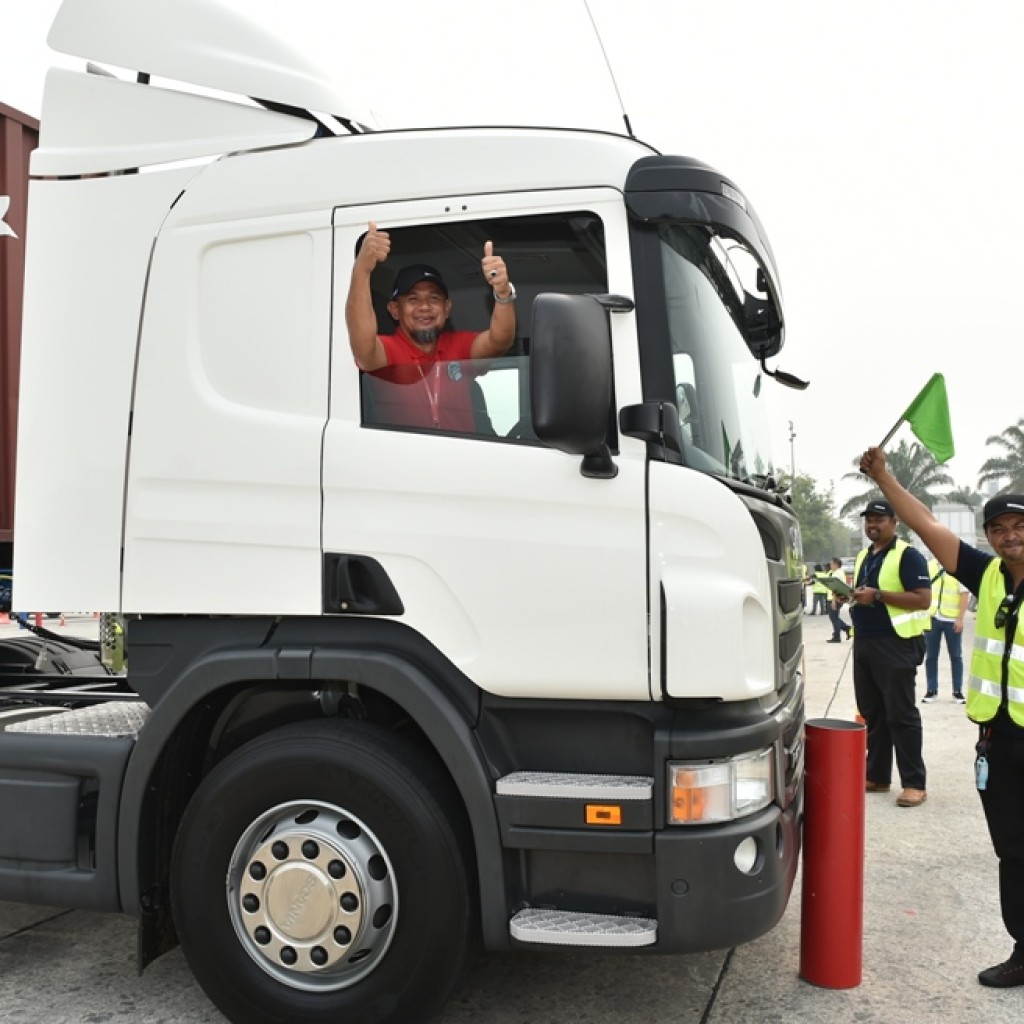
{"points": [[358, 585]]}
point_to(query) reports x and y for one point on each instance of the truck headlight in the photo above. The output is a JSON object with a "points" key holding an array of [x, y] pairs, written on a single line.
{"points": [[699, 794]]}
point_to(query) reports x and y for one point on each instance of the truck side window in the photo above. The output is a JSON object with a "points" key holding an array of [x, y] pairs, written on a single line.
{"points": [[487, 399]]}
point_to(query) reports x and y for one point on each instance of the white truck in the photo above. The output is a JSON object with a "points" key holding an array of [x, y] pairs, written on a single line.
{"points": [[392, 693]]}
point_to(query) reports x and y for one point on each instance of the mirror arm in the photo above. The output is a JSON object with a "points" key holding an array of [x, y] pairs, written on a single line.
{"points": [[784, 378], [599, 465], [614, 303]]}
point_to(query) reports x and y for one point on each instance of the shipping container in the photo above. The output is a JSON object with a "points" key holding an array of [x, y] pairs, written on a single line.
{"points": [[19, 135]]}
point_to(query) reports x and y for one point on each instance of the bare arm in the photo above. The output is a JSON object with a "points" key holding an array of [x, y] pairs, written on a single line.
{"points": [[360, 317], [942, 542], [498, 338]]}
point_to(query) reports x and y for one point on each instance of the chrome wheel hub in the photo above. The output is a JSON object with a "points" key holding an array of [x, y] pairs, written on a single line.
{"points": [[312, 896]]}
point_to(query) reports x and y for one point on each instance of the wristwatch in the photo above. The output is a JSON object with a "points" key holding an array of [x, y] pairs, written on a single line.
{"points": [[511, 297]]}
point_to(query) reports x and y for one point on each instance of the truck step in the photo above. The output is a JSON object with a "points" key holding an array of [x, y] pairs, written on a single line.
{"points": [[572, 786], [574, 928], [117, 718]]}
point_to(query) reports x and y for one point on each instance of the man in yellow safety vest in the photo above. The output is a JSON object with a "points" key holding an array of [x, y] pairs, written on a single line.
{"points": [[995, 687], [889, 612], [949, 606], [836, 605], [819, 592]]}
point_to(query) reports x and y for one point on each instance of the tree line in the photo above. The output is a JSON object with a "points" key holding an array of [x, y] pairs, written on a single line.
{"points": [[823, 530]]}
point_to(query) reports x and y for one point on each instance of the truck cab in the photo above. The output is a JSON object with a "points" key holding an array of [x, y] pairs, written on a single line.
{"points": [[538, 679]]}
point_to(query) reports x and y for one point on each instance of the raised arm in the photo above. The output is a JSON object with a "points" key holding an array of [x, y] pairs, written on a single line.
{"points": [[942, 542], [360, 317], [498, 338]]}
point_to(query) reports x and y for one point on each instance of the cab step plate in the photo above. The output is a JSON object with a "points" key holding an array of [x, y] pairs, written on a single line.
{"points": [[572, 928]]}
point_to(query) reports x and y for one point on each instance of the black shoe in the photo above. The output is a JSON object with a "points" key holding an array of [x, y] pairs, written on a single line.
{"points": [[1004, 975], [833, 640]]}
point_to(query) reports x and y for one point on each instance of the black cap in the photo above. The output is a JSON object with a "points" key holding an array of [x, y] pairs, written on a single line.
{"points": [[1002, 503], [408, 277], [878, 508]]}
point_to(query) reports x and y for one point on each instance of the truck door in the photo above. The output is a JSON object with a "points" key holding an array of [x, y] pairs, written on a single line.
{"points": [[528, 576]]}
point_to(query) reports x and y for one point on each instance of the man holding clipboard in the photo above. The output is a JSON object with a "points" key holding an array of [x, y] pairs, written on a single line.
{"points": [[836, 582], [889, 610]]}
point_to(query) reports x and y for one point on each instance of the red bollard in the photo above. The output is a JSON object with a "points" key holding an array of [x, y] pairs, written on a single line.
{"points": [[39, 619], [832, 909]]}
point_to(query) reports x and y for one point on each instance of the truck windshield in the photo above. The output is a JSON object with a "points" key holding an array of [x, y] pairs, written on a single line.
{"points": [[722, 411]]}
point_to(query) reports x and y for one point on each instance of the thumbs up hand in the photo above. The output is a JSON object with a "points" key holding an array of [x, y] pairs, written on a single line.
{"points": [[494, 271], [375, 248]]}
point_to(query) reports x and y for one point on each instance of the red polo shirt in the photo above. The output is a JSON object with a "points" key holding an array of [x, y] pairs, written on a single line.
{"points": [[425, 389]]}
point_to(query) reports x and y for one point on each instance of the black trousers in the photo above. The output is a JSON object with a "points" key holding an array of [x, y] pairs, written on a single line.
{"points": [[884, 676], [1003, 800]]}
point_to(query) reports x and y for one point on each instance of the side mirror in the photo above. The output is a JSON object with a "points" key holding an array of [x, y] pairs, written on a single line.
{"points": [[571, 378]]}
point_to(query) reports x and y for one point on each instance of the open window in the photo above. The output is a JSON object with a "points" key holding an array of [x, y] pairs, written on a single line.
{"points": [[486, 399]]}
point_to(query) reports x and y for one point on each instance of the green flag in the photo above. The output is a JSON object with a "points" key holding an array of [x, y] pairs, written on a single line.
{"points": [[928, 416]]}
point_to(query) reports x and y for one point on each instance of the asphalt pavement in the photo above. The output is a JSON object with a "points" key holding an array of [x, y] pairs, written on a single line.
{"points": [[931, 921]]}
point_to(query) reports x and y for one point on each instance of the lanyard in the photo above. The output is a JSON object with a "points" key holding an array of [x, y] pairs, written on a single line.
{"points": [[432, 392], [871, 567]]}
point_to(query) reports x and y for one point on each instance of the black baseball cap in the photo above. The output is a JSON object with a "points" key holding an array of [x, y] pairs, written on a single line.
{"points": [[1002, 503], [878, 508], [408, 277]]}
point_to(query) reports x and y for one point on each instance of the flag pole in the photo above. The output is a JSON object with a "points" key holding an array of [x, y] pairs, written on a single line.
{"points": [[888, 437]]}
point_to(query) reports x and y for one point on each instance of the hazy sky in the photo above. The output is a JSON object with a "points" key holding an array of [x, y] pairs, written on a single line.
{"points": [[881, 143]]}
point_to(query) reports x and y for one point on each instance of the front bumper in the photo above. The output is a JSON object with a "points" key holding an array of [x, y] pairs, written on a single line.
{"points": [[704, 901]]}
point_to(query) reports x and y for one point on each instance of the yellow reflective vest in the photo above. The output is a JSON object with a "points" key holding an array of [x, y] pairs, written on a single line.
{"points": [[945, 592], [988, 685], [906, 624]]}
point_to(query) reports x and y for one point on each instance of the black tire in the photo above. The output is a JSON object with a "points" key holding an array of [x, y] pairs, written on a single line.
{"points": [[364, 880]]}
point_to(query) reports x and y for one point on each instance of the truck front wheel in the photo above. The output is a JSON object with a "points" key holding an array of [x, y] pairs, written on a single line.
{"points": [[318, 876]]}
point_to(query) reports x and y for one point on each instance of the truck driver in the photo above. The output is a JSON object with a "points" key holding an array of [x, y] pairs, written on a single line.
{"points": [[422, 360]]}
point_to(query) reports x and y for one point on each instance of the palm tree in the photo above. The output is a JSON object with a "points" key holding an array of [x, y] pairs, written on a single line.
{"points": [[1006, 469], [915, 468]]}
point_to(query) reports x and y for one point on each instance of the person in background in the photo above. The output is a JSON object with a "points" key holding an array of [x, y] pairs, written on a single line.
{"points": [[835, 605], [819, 592], [889, 611], [949, 606], [808, 582], [995, 687]]}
